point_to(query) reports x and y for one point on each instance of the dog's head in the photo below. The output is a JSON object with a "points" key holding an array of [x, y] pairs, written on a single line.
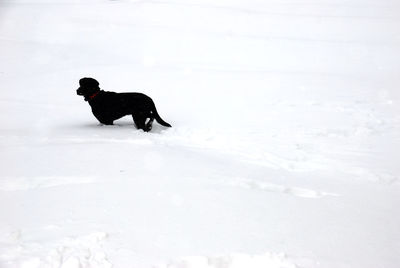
{"points": [[88, 87]]}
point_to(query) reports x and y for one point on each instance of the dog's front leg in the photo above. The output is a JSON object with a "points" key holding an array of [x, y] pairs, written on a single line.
{"points": [[103, 120]]}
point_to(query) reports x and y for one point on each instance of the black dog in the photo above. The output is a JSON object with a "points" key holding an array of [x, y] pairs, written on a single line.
{"points": [[110, 106]]}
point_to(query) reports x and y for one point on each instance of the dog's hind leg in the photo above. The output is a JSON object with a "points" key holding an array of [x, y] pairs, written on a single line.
{"points": [[140, 122], [143, 121], [149, 124]]}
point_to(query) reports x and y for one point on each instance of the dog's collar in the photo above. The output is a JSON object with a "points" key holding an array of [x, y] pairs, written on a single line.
{"points": [[93, 96]]}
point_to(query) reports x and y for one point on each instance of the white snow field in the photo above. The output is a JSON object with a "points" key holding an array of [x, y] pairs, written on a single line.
{"points": [[284, 150]]}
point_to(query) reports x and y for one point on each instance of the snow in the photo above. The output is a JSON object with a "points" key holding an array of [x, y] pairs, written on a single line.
{"points": [[283, 152]]}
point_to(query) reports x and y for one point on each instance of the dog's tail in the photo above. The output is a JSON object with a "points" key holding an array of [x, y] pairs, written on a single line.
{"points": [[158, 118]]}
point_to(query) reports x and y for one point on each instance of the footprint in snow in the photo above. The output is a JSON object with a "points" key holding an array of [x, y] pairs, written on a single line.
{"points": [[277, 188]]}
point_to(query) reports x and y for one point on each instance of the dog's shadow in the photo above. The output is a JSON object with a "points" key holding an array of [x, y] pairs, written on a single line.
{"points": [[118, 126]]}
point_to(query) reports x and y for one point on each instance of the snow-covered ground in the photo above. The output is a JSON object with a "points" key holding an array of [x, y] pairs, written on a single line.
{"points": [[284, 150]]}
